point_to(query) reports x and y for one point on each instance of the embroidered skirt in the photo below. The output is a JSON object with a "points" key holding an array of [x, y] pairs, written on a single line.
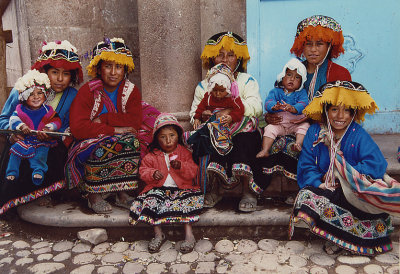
{"points": [[241, 161], [167, 205], [329, 216], [106, 164], [282, 159]]}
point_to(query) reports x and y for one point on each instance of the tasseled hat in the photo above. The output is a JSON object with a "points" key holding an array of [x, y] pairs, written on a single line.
{"points": [[319, 27], [222, 75], [111, 50], [166, 119], [230, 42], [350, 94], [59, 54], [31, 80]]}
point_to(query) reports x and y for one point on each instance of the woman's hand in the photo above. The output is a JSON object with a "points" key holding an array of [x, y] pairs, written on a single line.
{"points": [[175, 164], [15, 138], [226, 120], [157, 175], [273, 118], [206, 115], [96, 120], [223, 112], [122, 130], [42, 136], [196, 123]]}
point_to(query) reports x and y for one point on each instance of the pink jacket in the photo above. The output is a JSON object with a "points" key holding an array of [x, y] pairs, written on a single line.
{"points": [[183, 177]]}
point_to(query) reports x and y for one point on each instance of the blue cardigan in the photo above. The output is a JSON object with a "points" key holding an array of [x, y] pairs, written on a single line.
{"points": [[298, 99], [359, 150], [62, 108]]}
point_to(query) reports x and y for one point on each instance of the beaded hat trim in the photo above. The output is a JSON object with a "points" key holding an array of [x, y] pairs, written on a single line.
{"points": [[111, 50], [319, 28], [349, 94], [230, 42], [59, 54]]}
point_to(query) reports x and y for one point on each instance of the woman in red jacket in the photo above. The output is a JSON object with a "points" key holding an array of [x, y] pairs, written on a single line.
{"points": [[105, 119], [171, 194], [318, 39]]}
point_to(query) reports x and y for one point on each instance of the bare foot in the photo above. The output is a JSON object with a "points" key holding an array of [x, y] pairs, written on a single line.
{"points": [[37, 176], [262, 154], [10, 178]]}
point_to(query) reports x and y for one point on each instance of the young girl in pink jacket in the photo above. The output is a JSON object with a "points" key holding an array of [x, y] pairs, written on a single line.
{"points": [[170, 194]]}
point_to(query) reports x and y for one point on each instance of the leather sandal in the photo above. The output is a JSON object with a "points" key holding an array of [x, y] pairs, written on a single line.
{"points": [[101, 207], [156, 243], [187, 247], [211, 199], [248, 203]]}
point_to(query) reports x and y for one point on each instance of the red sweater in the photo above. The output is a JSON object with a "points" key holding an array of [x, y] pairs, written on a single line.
{"points": [[337, 72], [183, 177], [82, 126], [236, 106]]}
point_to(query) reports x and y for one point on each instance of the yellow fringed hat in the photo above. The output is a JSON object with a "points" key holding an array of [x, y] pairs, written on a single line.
{"points": [[350, 94], [319, 27], [230, 42], [111, 50]]}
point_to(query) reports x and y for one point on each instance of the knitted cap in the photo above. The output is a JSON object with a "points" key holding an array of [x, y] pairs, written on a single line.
{"points": [[165, 119], [230, 42], [319, 28], [349, 94], [294, 64], [31, 80], [111, 50], [59, 54]]}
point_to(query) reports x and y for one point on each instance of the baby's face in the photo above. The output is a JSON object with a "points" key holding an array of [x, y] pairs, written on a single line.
{"points": [[36, 99], [292, 80], [219, 92]]}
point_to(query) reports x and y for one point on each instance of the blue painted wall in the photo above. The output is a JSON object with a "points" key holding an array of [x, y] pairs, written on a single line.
{"points": [[372, 43]]}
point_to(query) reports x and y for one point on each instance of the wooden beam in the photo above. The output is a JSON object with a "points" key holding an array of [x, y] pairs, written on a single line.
{"points": [[3, 6]]}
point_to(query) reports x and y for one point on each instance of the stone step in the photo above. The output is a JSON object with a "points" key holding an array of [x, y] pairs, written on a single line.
{"points": [[76, 214]]}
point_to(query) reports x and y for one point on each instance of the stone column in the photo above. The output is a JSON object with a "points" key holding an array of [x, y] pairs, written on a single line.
{"points": [[169, 39]]}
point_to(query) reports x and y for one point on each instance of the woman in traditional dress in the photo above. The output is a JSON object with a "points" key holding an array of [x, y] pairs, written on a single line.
{"points": [[236, 167], [318, 40], [60, 61], [338, 162], [110, 130]]}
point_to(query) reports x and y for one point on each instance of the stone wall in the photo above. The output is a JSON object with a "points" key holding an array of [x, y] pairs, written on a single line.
{"points": [[165, 36]]}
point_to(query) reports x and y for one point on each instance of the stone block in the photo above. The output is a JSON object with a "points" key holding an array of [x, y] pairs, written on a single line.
{"points": [[93, 236]]}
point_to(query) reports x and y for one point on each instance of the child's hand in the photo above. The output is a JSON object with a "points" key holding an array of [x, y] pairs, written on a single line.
{"points": [[287, 107], [157, 175], [122, 130], [196, 123], [175, 164], [25, 129], [226, 120], [206, 115]]}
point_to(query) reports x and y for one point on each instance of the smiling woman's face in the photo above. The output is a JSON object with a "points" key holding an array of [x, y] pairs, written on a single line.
{"points": [[112, 74]]}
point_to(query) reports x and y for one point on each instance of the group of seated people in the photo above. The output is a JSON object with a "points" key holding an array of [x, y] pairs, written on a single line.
{"points": [[104, 139]]}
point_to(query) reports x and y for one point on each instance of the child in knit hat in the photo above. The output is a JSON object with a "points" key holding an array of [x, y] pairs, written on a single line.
{"points": [[170, 195], [32, 114]]}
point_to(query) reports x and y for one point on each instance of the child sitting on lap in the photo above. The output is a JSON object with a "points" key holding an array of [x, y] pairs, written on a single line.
{"points": [[32, 114], [289, 98]]}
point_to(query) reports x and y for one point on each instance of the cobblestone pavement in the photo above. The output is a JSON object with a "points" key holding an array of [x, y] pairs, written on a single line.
{"points": [[24, 253]]}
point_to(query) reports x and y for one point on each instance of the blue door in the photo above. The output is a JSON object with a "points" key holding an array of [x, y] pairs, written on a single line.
{"points": [[372, 47]]}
